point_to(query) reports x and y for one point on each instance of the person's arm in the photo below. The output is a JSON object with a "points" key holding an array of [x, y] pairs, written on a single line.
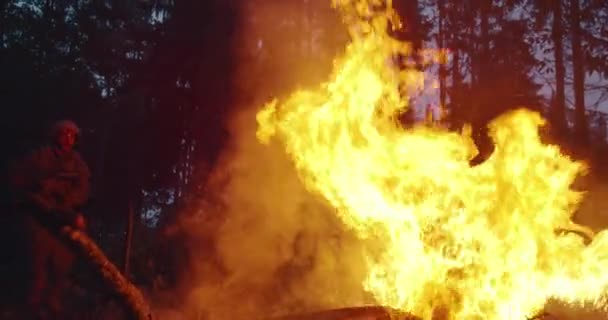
{"points": [[30, 178]]}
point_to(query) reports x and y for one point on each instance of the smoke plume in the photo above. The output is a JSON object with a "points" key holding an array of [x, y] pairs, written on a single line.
{"points": [[272, 247]]}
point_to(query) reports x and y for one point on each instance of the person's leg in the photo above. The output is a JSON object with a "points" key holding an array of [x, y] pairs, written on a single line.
{"points": [[62, 261], [38, 266]]}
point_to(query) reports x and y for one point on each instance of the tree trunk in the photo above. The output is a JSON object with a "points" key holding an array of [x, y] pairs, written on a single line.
{"points": [[442, 66], [578, 65], [408, 11], [558, 111], [456, 112], [128, 240], [484, 42]]}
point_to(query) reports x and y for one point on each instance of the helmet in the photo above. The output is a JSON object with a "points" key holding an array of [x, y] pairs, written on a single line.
{"points": [[64, 125]]}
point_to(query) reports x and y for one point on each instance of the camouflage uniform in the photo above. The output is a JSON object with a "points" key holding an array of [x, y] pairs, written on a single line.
{"points": [[53, 184]]}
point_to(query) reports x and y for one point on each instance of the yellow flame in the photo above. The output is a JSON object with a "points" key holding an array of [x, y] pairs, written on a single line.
{"points": [[478, 242]]}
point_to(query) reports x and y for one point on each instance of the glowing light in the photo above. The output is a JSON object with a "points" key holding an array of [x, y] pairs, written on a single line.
{"points": [[479, 242]]}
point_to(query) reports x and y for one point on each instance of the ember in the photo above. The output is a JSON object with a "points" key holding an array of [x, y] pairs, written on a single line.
{"points": [[479, 242]]}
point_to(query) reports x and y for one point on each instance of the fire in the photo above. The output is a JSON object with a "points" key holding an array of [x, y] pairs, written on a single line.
{"points": [[477, 242]]}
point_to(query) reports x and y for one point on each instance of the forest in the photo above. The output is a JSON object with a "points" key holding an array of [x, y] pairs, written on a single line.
{"points": [[164, 92]]}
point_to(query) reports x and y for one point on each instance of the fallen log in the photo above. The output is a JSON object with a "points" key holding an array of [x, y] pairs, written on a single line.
{"points": [[374, 313], [132, 299], [353, 313]]}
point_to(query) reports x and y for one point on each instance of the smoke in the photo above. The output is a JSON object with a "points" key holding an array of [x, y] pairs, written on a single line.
{"points": [[261, 244], [593, 211], [280, 248]]}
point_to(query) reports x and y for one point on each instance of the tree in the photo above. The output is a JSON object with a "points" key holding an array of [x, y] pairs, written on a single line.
{"points": [[559, 107], [441, 42], [581, 130], [549, 27], [492, 63], [559, 104]]}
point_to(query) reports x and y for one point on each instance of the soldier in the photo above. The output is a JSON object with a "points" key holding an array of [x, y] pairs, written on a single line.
{"points": [[51, 183]]}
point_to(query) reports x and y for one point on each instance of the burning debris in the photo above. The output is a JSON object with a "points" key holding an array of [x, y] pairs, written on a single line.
{"points": [[478, 242], [360, 313]]}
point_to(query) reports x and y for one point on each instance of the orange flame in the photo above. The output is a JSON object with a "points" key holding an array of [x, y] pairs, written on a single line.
{"points": [[479, 242]]}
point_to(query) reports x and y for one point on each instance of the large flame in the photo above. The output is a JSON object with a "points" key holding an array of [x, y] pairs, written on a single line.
{"points": [[476, 242]]}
